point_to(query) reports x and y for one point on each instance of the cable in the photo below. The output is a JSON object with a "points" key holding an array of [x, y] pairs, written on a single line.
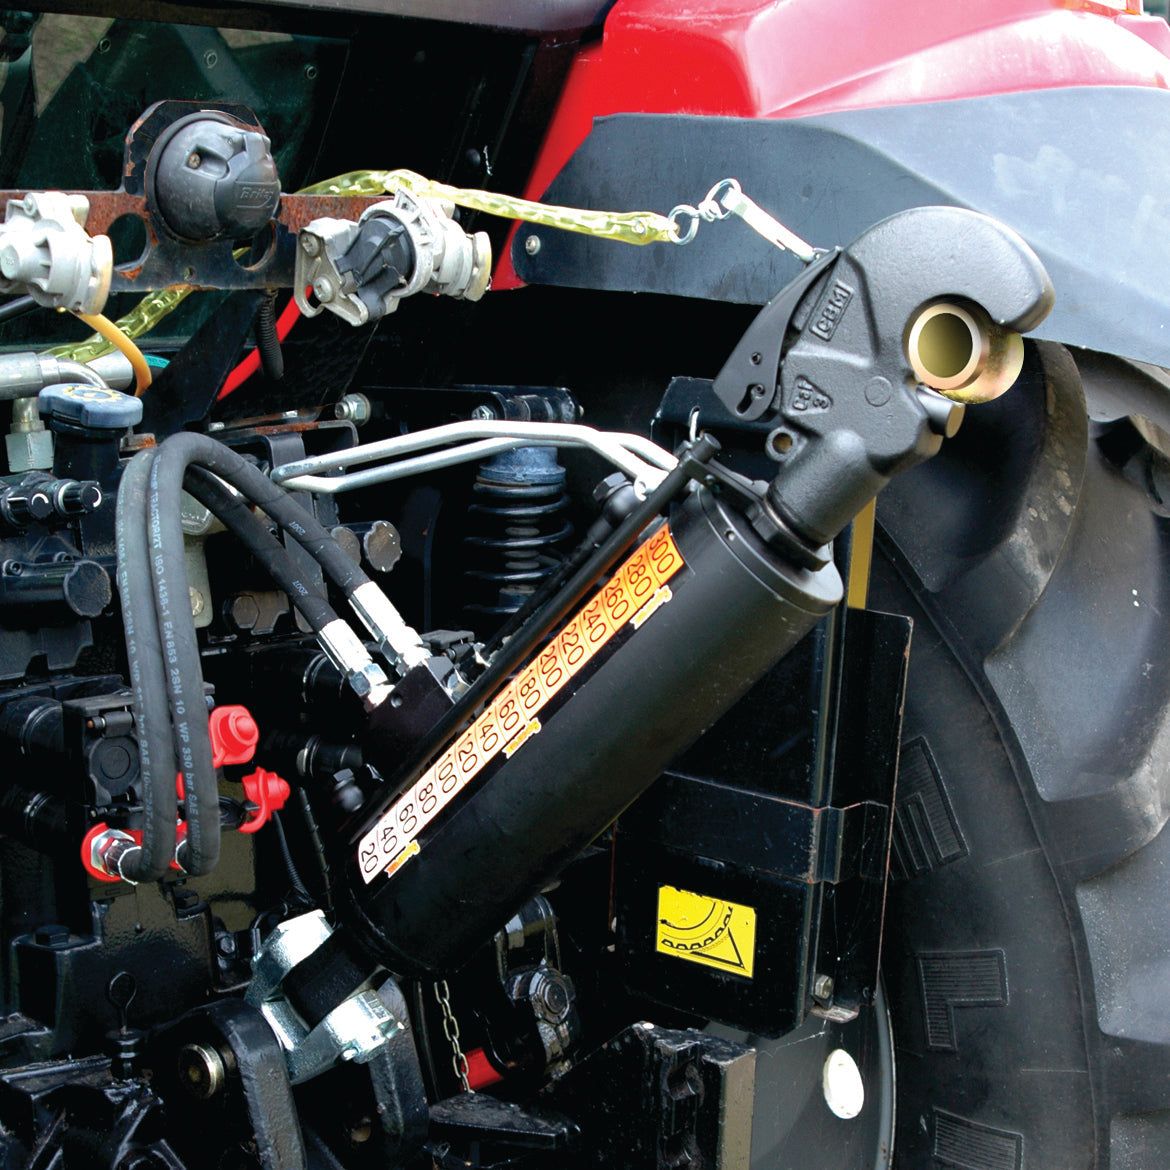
{"points": [[294, 877], [267, 343], [17, 307], [314, 832], [251, 363], [107, 329], [152, 721]]}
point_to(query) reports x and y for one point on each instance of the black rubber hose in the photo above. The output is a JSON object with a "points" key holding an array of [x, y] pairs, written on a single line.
{"points": [[184, 669], [184, 678], [267, 342], [182, 450], [152, 720], [17, 307], [184, 682], [252, 532]]}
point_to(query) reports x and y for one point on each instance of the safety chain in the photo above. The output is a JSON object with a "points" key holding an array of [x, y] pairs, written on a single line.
{"points": [[626, 227], [451, 1031]]}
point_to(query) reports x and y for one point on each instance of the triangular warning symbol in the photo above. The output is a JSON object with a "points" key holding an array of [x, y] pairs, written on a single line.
{"points": [[712, 932]]}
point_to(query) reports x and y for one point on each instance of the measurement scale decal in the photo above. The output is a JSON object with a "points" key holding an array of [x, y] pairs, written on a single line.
{"points": [[636, 591]]}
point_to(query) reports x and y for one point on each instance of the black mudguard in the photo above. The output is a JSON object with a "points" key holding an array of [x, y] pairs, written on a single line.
{"points": [[1083, 174]]}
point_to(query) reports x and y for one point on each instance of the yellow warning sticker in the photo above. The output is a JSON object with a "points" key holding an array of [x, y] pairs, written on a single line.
{"points": [[706, 930]]}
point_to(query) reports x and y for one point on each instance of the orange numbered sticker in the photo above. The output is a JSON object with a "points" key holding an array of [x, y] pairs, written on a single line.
{"points": [[630, 597]]}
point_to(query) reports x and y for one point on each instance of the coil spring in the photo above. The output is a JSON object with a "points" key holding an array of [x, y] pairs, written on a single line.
{"points": [[518, 515]]}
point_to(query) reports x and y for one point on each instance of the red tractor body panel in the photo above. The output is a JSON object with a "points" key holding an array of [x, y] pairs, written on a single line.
{"points": [[745, 58]]}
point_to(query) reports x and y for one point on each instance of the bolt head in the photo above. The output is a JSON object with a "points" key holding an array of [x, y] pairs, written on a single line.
{"points": [[323, 288], [610, 484], [53, 936], [354, 407], [532, 245], [483, 414], [556, 998], [823, 987], [244, 611], [310, 244], [194, 160]]}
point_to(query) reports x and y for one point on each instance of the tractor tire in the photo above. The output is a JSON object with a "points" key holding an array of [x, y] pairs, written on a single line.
{"points": [[1027, 947]]}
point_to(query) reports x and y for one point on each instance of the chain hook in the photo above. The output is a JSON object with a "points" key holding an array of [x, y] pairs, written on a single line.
{"points": [[712, 208], [677, 234]]}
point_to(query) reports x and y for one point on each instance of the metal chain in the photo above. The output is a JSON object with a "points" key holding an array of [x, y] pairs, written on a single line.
{"points": [[627, 227], [451, 1031]]}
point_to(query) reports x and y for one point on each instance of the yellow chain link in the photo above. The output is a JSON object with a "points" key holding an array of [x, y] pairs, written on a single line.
{"points": [[626, 227], [141, 319]]}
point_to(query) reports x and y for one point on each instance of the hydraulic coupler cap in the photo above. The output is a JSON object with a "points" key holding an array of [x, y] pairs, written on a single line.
{"points": [[234, 735], [88, 408]]}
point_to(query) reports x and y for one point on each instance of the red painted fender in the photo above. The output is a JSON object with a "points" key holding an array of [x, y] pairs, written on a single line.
{"points": [[747, 58]]}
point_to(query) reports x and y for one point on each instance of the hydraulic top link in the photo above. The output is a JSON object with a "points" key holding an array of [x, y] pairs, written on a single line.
{"points": [[558, 736]]}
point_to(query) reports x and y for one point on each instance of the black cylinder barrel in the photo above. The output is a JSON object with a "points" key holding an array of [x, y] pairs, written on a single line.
{"points": [[698, 613]]}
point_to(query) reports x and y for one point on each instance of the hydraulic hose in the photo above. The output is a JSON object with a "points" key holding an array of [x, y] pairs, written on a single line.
{"points": [[184, 683], [251, 531], [197, 460], [152, 721], [183, 450], [184, 670]]}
